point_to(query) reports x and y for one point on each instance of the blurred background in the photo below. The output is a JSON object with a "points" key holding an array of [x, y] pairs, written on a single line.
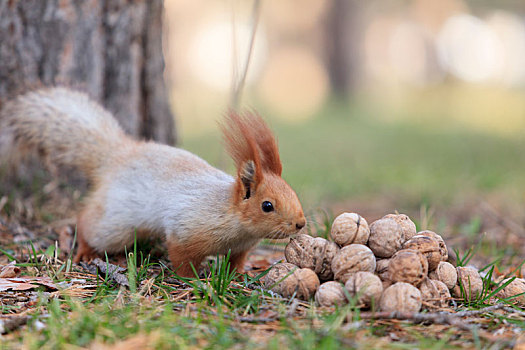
{"points": [[378, 105]]}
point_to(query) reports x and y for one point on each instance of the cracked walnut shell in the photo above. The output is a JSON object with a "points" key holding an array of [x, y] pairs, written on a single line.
{"points": [[444, 292], [408, 266], [350, 228], [434, 292], [312, 253], [443, 250], [353, 258], [385, 237], [287, 279], [299, 250], [382, 269], [427, 246]]}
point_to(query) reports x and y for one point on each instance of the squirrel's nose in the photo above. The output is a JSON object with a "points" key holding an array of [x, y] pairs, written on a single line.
{"points": [[300, 224]]}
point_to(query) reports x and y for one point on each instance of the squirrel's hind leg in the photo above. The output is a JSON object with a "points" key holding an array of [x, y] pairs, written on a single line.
{"points": [[85, 252], [237, 261], [184, 255]]}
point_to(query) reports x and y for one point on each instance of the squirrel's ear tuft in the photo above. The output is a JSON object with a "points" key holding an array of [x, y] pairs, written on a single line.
{"points": [[267, 145], [249, 138], [241, 142]]}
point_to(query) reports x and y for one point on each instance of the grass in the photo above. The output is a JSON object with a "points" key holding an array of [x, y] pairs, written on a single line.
{"points": [[219, 311], [72, 323], [112, 314]]}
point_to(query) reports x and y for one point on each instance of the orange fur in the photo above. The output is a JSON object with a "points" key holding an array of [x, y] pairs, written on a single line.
{"points": [[265, 140], [185, 254], [237, 261], [241, 143], [247, 137]]}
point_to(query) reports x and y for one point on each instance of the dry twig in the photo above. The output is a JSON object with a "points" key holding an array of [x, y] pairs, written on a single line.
{"points": [[454, 319], [110, 270]]}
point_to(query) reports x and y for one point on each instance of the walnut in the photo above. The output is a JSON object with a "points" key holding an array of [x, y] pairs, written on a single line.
{"points": [[353, 258], [386, 283], [350, 228], [330, 293], [408, 266], [366, 286], [324, 252], [299, 250], [513, 288], [446, 273], [431, 292], [443, 250], [444, 293], [276, 273], [427, 246], [385, 237], [408, 228], [382, 269], [402, 297], [287, 279], [470, 281], [312, 253]]}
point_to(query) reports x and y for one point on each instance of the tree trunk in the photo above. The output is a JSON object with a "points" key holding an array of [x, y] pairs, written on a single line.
{"points": [[342, 42], [111, 49]]}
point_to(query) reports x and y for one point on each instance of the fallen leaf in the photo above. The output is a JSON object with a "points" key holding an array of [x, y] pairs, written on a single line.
{"points": [[9, 271], [25, 283], [6, 284]]}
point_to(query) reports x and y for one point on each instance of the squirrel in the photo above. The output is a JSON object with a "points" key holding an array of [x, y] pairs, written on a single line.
{"points": [[148, 189]]}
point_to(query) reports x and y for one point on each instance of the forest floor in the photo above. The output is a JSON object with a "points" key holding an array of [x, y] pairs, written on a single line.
{"points": [[51, 303], [48, 302], [465, 186]]}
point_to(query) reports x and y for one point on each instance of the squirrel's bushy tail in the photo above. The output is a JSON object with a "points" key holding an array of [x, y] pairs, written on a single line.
{"points": [[61, 126]]}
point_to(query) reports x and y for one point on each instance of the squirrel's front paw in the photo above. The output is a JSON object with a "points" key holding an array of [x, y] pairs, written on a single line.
{"points": [[84, 253]]}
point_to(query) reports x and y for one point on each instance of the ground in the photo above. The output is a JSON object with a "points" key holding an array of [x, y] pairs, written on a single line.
{"points": [[466, 185]]}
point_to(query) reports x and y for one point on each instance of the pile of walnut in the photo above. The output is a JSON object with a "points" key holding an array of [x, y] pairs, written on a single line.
{"points": [[387, 264]]}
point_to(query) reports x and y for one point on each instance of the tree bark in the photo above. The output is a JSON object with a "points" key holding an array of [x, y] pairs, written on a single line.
{"points": [[111, 49]]}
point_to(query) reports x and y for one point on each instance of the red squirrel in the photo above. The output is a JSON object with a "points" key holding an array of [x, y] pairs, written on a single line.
{"points": [[154, 189]]}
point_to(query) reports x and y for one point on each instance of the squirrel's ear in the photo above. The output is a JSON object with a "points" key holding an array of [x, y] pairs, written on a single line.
{"points": [[247, 175]]}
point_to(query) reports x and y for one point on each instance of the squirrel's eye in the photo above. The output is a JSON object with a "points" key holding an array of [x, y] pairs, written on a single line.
{"points": [[267, 206]]}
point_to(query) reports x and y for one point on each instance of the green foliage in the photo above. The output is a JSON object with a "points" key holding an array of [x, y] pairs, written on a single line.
{"points": [[224, 286], [71, 323]]}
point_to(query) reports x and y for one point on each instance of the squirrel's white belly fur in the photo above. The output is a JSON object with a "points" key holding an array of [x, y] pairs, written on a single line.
{"points": [[176, 196]]}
